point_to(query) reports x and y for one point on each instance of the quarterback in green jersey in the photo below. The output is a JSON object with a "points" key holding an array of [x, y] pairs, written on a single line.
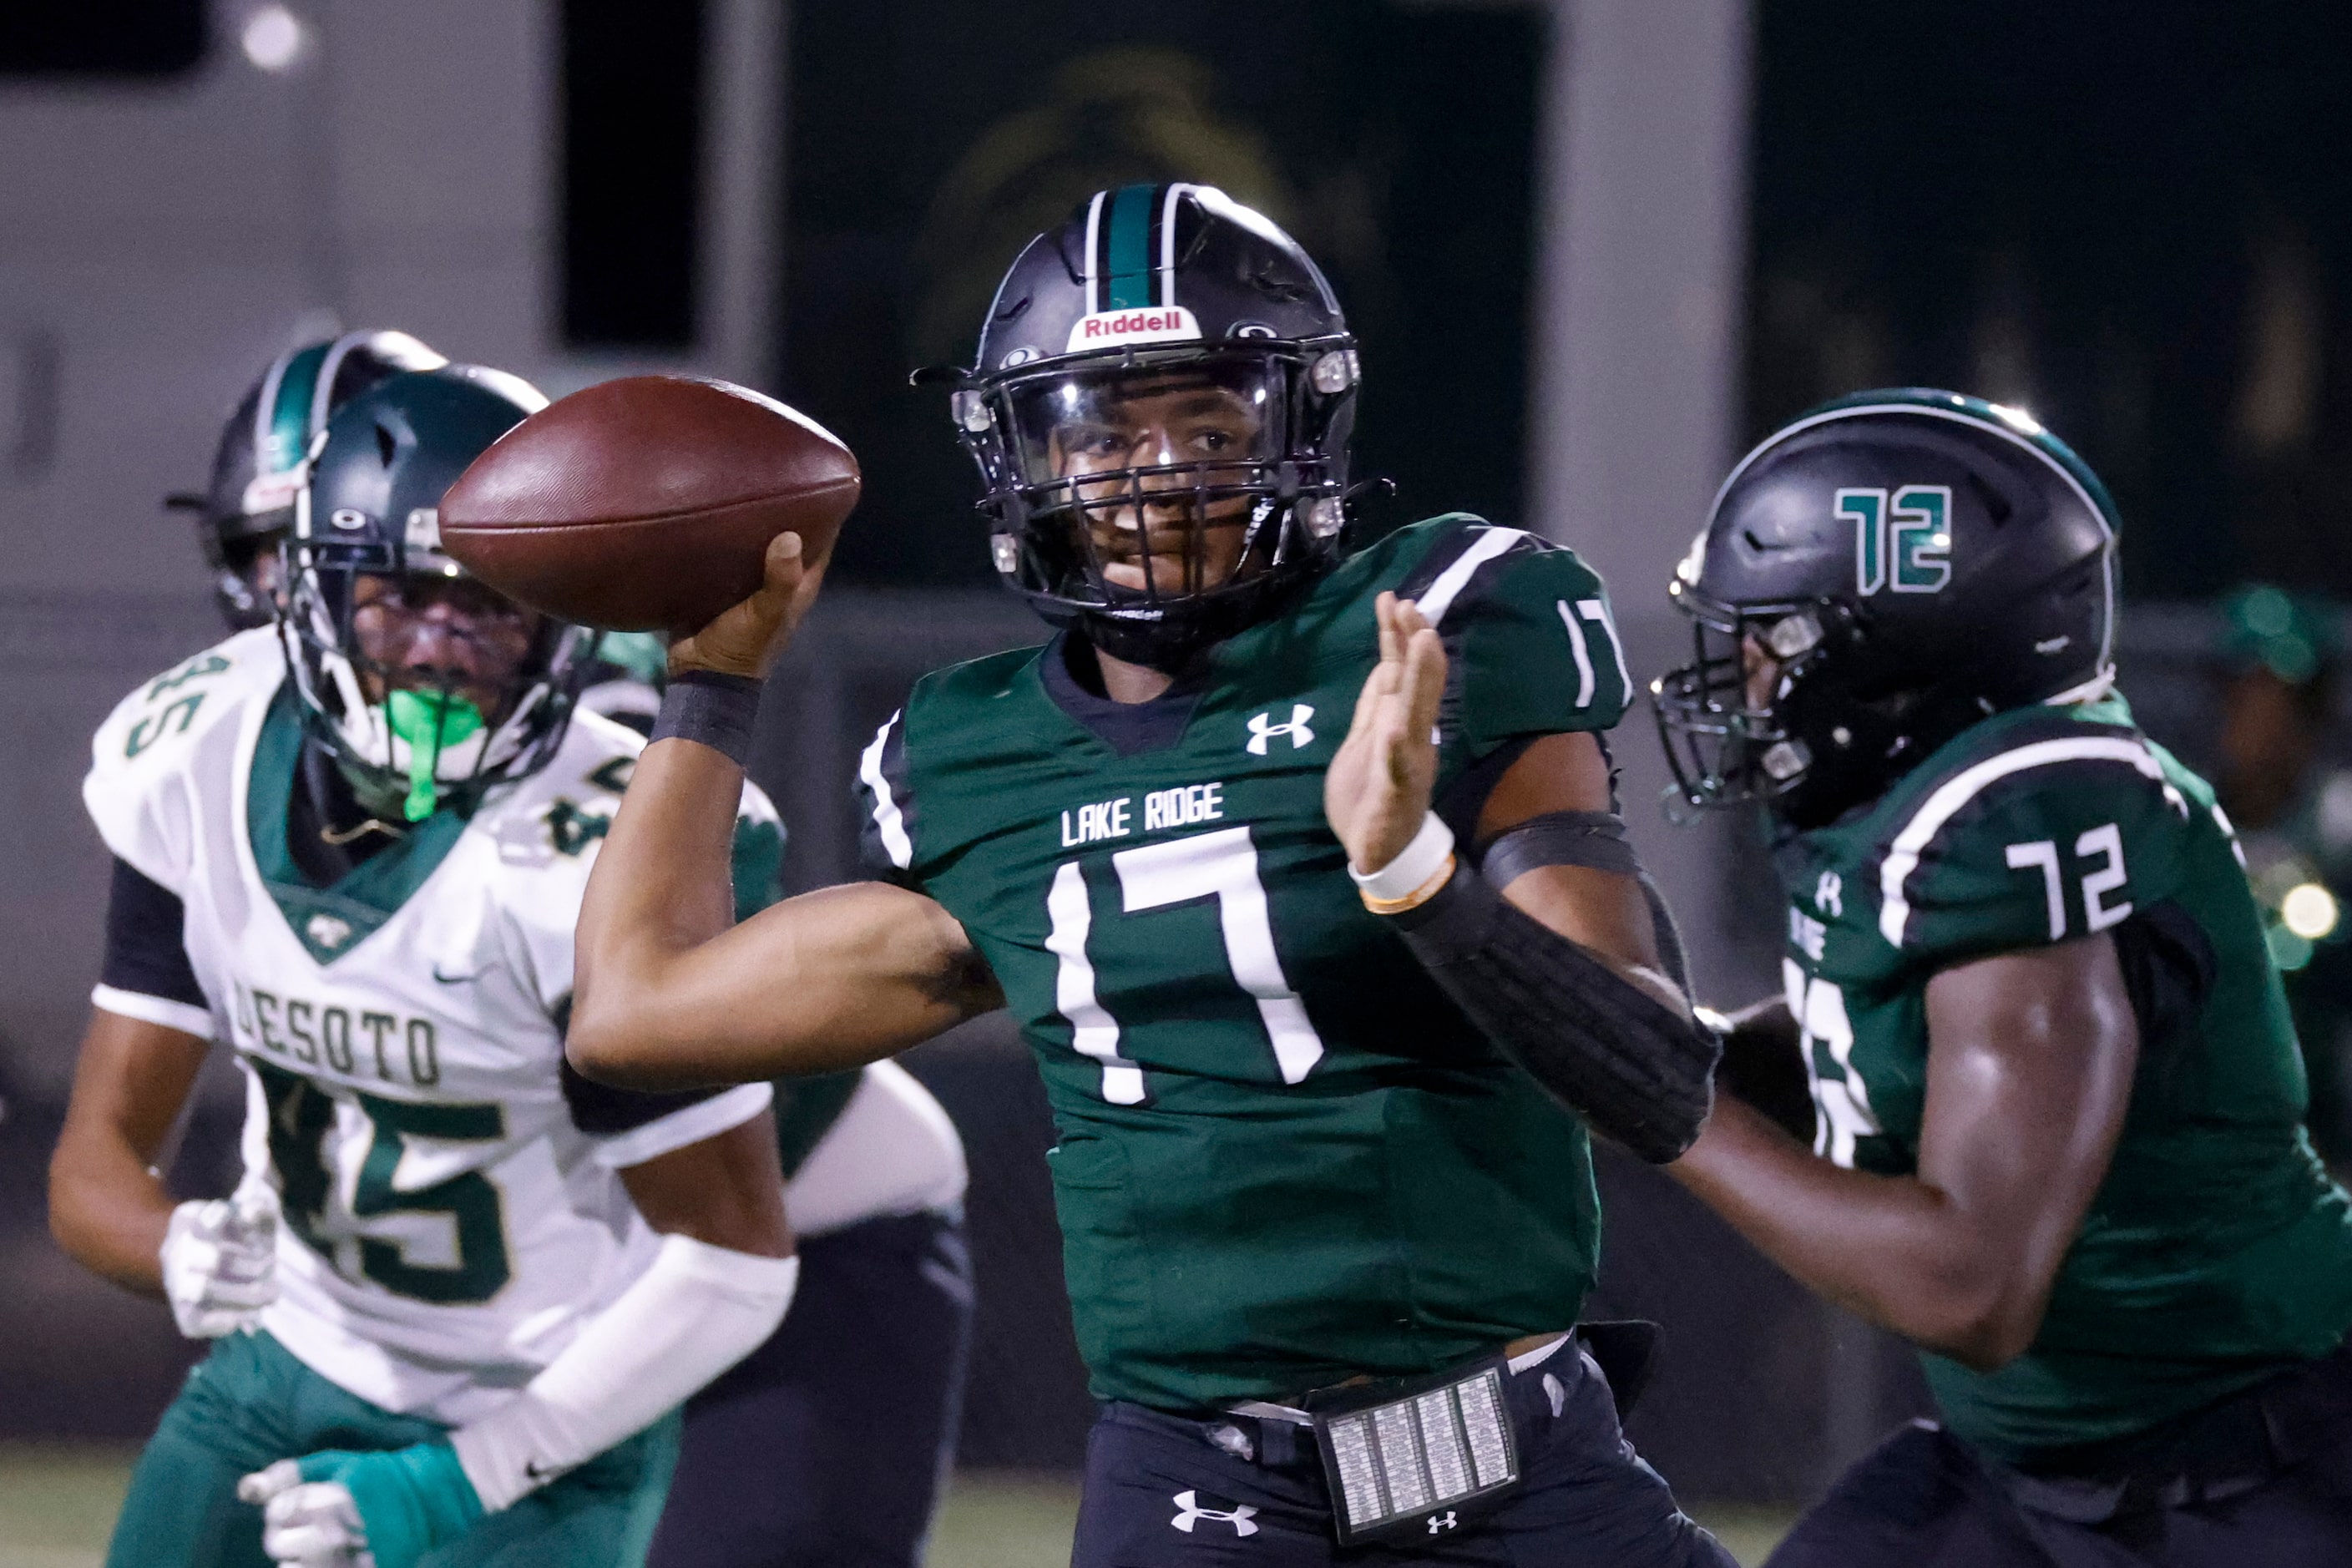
{"points": [[2057, 1119], [1326, 1232]]}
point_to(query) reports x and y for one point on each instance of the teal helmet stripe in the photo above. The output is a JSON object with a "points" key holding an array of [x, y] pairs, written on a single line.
{"points": [[1130, 278], [283, 415]]}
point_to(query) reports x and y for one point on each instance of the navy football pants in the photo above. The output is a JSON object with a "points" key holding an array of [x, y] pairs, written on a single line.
{"points": [[1924, 1499], [1162, 1492], [828, 1444]]}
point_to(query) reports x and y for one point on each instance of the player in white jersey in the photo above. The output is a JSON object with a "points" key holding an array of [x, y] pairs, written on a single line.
{"points": [[825, 1444], [459, 1292]]}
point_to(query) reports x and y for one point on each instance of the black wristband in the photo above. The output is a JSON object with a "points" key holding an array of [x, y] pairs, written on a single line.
{"points": [[715, 710]]}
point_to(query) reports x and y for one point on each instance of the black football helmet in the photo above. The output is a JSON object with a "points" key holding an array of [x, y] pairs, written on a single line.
{"points": [[249, 504], [1911, 561], [369, 505], [1171, 297]]}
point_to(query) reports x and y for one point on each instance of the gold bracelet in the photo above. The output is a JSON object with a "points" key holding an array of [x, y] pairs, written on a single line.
{"points": [[1414, 899]]}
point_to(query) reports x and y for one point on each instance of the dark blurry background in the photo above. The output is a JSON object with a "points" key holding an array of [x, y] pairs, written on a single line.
{"points": [[1592, 248], [2131, 218]]}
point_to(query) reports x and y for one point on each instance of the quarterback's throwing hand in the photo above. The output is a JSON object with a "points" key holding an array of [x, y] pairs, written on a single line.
{"points": [[1378, 786], [220, 1262], [746, 638]]}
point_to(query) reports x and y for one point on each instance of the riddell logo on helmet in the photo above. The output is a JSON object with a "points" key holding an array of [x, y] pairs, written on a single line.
{"points": [[1154, 323]]}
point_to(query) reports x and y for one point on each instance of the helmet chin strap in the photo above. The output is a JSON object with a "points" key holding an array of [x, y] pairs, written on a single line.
{"points": [[430, 721]]}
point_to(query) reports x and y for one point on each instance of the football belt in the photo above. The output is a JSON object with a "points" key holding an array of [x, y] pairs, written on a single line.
{"points": [[1406, 1458]]}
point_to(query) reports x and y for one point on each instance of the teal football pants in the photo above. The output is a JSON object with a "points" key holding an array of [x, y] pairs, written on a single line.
{"points": [[251, 1403]]}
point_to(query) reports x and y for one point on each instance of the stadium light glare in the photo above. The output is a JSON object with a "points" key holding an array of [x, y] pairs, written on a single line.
{"points": [[273, 38], [2309, 911]]}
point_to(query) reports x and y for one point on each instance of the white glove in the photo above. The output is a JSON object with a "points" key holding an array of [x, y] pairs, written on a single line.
{"points": [[220, 1262], [307, 1524]]}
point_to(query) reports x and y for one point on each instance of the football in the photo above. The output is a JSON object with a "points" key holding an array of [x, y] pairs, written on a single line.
{"points": [[646, 503]]}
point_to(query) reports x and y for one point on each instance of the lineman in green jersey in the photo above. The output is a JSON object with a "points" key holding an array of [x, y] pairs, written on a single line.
{"points": [[2057, 1136], [1301, 1147]]}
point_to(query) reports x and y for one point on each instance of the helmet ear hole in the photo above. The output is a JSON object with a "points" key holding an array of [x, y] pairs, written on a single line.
{"points": [[386, 443]]}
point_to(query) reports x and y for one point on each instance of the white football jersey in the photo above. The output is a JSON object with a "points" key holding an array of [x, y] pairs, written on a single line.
{"points": [[449, 1225]]}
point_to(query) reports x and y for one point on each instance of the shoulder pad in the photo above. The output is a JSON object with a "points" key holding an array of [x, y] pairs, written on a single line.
{"points": [[2059, 832], [1527, 628], [141, 755], [573, 797], [193, 694]]}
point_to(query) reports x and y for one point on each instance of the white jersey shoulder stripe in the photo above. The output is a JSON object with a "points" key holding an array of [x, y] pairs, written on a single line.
{"points": [[181, 1015], [690, 1124], [1440, 595], [1945, 803], [888, 821]]}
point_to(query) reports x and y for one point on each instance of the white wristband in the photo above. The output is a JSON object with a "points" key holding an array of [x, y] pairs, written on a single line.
{"points": [[1415, 864]]}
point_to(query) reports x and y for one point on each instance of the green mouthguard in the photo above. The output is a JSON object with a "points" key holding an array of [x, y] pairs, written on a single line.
{"points": [[431, 722]]}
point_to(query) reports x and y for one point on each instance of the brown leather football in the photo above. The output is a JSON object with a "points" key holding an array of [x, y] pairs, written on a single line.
{"points": [[646, 503]]}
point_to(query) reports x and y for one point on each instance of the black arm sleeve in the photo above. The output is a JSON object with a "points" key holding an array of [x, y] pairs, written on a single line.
{"points": [[1638, 1071], [1591, 838], [146, 949]]}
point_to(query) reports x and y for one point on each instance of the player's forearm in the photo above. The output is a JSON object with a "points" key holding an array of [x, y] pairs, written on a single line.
{"points": [[1891, 1249], [821, 982], [661, 885], [108, 1210], [660, 889]]}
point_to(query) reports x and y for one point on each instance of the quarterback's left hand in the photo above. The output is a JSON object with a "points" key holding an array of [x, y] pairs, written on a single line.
{"points": [[1378, 786], [336, 1508]]}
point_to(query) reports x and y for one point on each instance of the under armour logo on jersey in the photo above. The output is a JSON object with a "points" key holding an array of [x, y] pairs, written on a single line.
{"points": [[1237, 1516], [328, 931], [1262, 729], [1829, 894], [1441, 1522]]}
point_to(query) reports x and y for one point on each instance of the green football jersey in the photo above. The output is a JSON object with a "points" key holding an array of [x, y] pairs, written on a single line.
{"points": [[2217, 1250], [1285, 1157]]}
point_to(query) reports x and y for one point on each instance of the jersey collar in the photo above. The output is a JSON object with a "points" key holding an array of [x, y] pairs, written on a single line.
{"points": [[329, 921], [1129, 729]]}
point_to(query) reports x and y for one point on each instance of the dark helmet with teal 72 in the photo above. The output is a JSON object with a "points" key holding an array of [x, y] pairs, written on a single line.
{"points": [[1876, 576]]}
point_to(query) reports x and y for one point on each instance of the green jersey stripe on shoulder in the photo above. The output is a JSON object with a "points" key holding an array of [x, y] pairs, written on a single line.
{"points": [[1477, 547], [1946, 801], [1465, 568], [883, 770]]}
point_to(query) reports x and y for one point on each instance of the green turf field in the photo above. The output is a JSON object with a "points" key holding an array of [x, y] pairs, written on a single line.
{"points": [[56, 1505]]}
